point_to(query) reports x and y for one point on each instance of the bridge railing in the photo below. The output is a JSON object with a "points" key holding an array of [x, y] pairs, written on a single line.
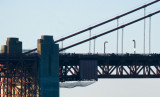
{"points": [[108, 54]]}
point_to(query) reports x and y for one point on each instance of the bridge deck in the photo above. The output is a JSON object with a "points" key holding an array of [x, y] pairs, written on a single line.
{"points": [[108, 65], [111, 65]]}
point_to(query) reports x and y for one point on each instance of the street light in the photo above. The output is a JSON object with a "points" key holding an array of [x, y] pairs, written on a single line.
{"points": [[134, 46], [105, 46]]}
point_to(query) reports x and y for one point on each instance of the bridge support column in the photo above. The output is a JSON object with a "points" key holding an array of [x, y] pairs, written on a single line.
{"points": [[48, 67]]}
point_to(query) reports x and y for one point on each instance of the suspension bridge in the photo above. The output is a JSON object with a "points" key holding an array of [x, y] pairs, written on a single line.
{"points": [[37, 72]]}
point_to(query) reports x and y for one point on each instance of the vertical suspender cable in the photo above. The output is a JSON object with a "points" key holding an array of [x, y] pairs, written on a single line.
{"points": [[122, 39], [117, 34], [94, 45], [144, 28], [62, 46], [150, 34], [90, 41]]}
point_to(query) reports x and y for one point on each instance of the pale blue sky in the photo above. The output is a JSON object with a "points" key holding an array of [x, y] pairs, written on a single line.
{"points": [[29, 19]]}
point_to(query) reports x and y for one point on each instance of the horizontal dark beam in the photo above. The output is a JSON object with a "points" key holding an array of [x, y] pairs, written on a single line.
{"points": [[129, 76], [111, 66]]}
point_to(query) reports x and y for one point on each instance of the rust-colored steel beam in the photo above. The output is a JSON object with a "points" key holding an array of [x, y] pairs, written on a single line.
{"points": [[18, 76]]}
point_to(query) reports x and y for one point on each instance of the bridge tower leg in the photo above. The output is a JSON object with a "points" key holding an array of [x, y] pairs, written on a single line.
{"points": [[48, 66]]}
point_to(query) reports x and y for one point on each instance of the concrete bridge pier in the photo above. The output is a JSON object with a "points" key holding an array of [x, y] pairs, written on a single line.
{"points": [[48, 66]]}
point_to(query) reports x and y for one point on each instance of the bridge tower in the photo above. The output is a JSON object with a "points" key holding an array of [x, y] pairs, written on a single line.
{"points": [[48, 53]]}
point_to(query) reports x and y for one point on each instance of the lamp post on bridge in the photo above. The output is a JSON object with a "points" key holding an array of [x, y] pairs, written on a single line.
{"points": [[134, 46], [105, 46]]}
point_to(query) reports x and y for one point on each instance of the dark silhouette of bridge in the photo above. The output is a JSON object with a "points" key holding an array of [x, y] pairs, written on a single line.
{"points": [[35, 72]]}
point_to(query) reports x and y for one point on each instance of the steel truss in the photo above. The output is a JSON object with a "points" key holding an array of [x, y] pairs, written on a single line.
{"points": [[131, 71], [18, 76], [111, 66], [69, 73]]}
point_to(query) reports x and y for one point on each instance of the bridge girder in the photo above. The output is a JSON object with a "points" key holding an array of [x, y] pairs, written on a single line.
{"points": [[111, 66]]}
